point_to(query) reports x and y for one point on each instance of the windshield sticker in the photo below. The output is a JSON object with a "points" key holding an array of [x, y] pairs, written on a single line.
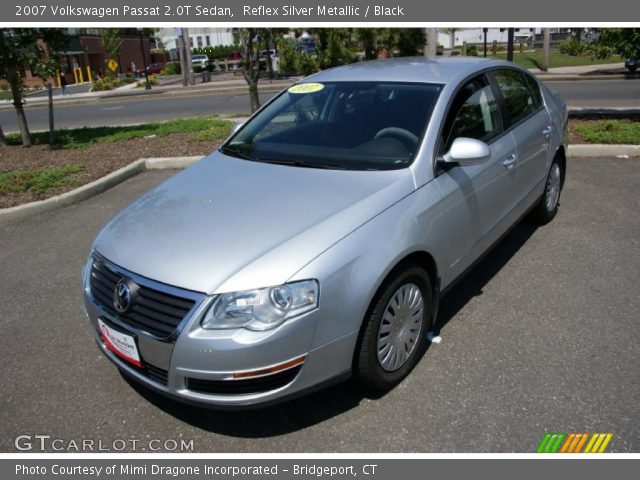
{"points": [[306, 88]]}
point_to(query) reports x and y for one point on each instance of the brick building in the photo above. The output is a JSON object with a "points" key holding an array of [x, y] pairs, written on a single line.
{"points": [[86, 49]]}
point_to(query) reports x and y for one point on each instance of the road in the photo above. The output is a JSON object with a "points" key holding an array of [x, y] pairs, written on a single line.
{"points": [[542, 336], [126, 110]]}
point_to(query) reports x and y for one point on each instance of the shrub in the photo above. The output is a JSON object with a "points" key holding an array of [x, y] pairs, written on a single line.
{"points": [[574, 48], [455, 53], [107, 83], [153, 80], [171, 68]]}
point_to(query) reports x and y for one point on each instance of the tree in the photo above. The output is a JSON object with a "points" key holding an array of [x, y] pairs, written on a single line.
{"points": [[112, 42], [20, 47], [617, 41], [410, 41], [45, 69], [3, 139], [334, 46], [251, 40]]}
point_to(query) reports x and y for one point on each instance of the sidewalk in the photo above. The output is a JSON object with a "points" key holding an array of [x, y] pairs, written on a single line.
{"points": [[581, 72], [238, 85]]}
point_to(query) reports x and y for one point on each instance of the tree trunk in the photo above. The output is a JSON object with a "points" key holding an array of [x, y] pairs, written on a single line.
{"points": [[431, 49], [3, 140], [52, 135], [510, 34], [269, 64], [545, 49], [16, 90], [255, 99]]}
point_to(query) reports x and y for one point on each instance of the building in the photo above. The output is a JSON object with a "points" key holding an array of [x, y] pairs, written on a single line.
{"points": [[198, 38], [86, 54], [454, 37]]}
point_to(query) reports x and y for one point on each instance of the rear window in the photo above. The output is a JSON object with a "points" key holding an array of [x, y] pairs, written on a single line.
{"points": [[520, 98], [342, 125]]}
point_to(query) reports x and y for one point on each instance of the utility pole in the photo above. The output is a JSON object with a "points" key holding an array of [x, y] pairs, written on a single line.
{"points": [[191, 79], [546, 41], [431, 48], [184, 70], [510, 32]]}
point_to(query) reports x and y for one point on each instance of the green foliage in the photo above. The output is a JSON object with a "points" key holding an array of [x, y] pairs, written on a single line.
{"points": [[623, 42], [288, 58], [107, 83], [573, 48], [334, 47], [37, 181], [153, 80], [410, 41], [78, 138], [556, 59], [610, 131], [293, 62], [219, 52], [172, 68]]}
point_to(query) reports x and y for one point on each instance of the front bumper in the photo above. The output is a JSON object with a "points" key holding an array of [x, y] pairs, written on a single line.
{"points": [[206, 367]]}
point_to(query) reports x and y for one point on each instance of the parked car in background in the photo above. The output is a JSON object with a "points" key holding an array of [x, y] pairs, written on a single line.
{"points": [[631, 64], [316, 242], [155, 68], [199, 62]]}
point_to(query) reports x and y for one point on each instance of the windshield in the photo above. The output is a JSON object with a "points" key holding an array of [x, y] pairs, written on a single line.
{"points": [[340, 125]]}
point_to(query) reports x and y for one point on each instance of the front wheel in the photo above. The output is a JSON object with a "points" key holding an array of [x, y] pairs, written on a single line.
{"points": [[395, 333], [547, 207]]}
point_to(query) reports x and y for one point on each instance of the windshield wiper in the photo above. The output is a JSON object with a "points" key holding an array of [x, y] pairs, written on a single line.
{"points": [[301, 163], [238, 153]]}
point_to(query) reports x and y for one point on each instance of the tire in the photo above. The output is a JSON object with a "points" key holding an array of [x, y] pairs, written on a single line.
{"points": [[632, 69], [547, 207], [385, 322]]}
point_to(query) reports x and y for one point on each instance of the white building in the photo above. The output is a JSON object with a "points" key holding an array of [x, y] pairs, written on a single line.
{"points": [[454, 37], [198, 37]]}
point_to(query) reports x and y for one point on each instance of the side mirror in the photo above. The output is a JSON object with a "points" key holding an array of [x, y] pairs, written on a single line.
{"points": [[467, 151], [235, 128]]}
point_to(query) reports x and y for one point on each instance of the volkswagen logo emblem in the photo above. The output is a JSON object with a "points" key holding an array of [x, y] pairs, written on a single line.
{"points": [[122, 296]]}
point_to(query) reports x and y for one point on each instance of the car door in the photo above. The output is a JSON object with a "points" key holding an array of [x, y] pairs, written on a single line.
{"points": [[475, 198], [530, 125]]}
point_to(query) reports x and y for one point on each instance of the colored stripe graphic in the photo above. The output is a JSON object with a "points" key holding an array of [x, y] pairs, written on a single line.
{"points": [[551, 442], [573, 442]]}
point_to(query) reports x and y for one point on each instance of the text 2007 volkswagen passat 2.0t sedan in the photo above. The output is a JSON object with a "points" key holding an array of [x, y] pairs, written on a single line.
{"points": [[316, 242]]}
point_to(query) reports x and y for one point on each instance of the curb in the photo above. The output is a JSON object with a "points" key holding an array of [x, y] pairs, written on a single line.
{"points": [[591, 113], [19, 212], [599, 151]]}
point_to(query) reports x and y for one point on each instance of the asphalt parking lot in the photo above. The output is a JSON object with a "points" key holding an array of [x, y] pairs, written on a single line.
{"points": [[542, 336]]}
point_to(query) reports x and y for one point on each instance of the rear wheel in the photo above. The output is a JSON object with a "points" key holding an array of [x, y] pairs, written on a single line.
{"points": [[395, 333], [548, 205]]}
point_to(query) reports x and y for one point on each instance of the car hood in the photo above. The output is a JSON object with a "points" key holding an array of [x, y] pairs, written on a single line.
{"points": [[227, 224]]}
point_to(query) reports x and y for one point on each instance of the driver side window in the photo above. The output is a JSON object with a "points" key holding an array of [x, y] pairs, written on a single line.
{"points": [[474, 114]]}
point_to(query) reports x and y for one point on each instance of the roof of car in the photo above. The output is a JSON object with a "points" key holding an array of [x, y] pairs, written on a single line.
{"points": [[442, 70]]}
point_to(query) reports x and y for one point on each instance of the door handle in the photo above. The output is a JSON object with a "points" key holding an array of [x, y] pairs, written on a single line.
{"points": [[547, 132], [510, 160]]}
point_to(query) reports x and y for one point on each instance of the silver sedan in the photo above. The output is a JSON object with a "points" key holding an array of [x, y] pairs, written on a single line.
{"points": [[315, 244]]}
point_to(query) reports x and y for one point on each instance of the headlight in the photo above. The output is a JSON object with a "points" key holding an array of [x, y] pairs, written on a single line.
{"points": [[261, 309]]}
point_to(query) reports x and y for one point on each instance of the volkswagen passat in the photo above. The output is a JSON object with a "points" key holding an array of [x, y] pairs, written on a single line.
{"points": [[316, 243]]}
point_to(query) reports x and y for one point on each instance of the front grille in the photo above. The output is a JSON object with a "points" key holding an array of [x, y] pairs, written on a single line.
{"points": [[243, 387], [155, 312]]}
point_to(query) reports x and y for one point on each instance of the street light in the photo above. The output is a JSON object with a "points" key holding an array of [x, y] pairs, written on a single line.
{"points": [[485, 30], [147, 85]]}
